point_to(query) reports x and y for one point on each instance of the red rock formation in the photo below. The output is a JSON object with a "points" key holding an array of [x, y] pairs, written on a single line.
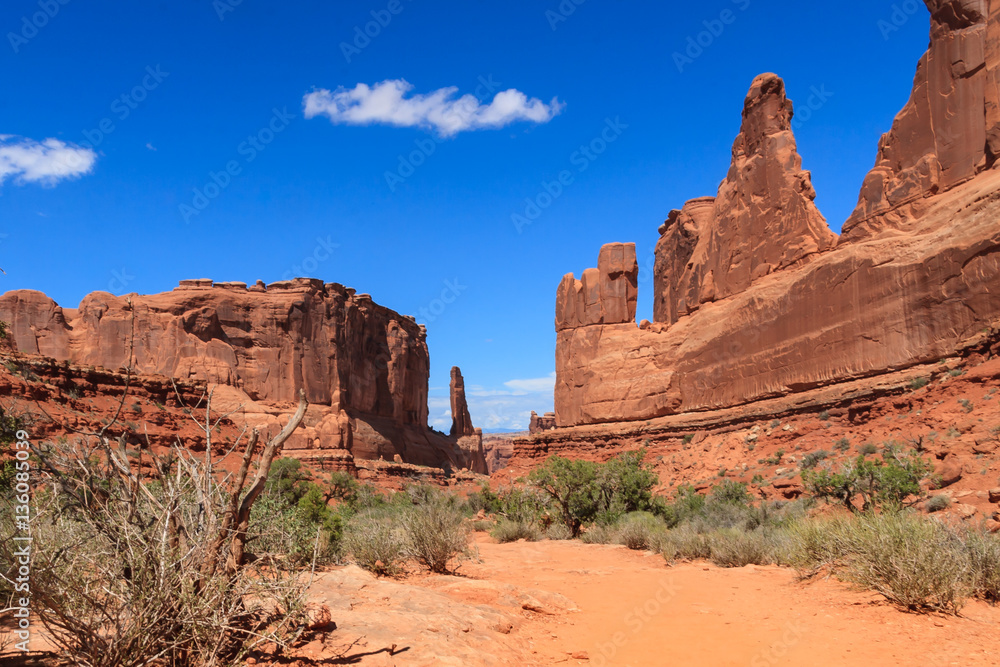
{"points": [[546, 422], [762, 220], [364, 368], [743, 318], [461, 420], [605, 295], [949, 131]]}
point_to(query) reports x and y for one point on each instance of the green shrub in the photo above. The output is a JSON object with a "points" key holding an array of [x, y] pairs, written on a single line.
{"points": [[687, 504], [599, 534], [912, 562], [511, 531], [623, 485], [811, 459], [842, 445], [984, 555], [918, 383], [685, 543], [343, 487], [688, 438], [558, 532], [938, 503], [287, 479], [377, 541], [885, 482], [639, 530], [732, 493], [966, 404], [571, 486], [824, 416], [774, 460], [738, 548], [437, 533], [868, 449]]}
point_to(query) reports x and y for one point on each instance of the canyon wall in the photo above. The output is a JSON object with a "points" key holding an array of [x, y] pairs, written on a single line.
{"points": [[755, 297], [363, 367]]}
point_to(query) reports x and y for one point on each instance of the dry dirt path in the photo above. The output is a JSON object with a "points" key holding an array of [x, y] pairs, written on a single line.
{"points": [[634, 610]]}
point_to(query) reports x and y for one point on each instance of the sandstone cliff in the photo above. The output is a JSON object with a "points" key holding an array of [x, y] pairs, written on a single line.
{"points": [[364, 368], [756, 298]]}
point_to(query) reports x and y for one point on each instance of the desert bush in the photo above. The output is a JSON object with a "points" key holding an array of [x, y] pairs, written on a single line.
{"points": [[639, 531], [623, 485], [938, 503], [512, 531], [687, 504], [812, 459], [915, 563], [738, 548], [582, 492], [918, 383], [884, 482], [599, 534], [376, 540], [558, 532], [147, 564], [570, 485], [685, 543], [437, 533], [984, 556]]}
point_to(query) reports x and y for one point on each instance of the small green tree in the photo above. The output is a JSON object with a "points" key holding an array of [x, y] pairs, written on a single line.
{"points": [[570, 485], [884, 482], [623, 485], [286, 478]]}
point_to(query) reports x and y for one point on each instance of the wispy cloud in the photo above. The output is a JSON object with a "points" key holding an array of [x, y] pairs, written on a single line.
{"points": [[386, 103], [547, 383], [46, 162]]}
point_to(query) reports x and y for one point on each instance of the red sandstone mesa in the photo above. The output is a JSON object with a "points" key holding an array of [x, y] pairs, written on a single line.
{"points": [[756, 298], [364, 368]]}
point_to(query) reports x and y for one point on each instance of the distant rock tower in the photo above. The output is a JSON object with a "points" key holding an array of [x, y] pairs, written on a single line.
{"points": [[461, 420]]}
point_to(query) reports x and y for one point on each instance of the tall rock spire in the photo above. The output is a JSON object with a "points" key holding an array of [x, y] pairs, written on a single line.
{"points": [[762, 220]]}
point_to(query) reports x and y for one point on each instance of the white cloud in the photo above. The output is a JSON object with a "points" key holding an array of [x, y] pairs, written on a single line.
{"points": [[498, 408], [386, 103], [45, 162], [547, 383]]}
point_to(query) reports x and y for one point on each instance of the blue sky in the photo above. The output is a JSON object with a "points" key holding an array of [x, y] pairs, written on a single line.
{"points": [[118, 118]]}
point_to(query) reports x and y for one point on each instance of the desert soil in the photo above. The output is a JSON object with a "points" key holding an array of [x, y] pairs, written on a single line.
{"points": [[554, 603]]}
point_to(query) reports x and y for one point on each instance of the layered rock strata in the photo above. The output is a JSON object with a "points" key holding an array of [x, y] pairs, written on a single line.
{"points": [[363, 367], [755, 298]]}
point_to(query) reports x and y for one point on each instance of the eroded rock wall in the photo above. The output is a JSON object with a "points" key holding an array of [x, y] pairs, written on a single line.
{"points": [[364, 368], [755, 297]]}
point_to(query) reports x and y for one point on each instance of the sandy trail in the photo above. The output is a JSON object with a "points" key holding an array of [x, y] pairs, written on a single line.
{"points": [[634, 610]]}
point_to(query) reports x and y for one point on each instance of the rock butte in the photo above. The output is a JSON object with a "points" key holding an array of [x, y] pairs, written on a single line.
{"points": [[755, 298], [363, 367]]}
